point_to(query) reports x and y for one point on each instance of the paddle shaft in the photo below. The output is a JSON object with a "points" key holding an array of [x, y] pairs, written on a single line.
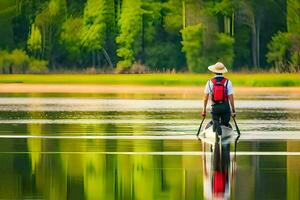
{"points": [[237, 128], [200, 126]]}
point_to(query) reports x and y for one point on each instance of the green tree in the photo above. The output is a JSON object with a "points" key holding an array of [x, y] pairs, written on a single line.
{"points": [[192, 37], [4, 61], [109, 51], [70, 38], [295, 52], [19, 61], [49, 20], [174, 16], [225, 10], [284, 52], [34, 42], [7, 13], [293, 16], [160, 36], [80, 33], [261, 26], [199, 56], [223, 49], [37, 66], [284, 48], [130, 28], [96, 15]]}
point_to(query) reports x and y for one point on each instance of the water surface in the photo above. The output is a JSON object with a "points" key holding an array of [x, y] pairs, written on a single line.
{"points": [[78, 147]]}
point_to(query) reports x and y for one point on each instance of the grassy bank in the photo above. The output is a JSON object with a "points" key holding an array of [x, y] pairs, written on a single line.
{"points": [[258, 80]]}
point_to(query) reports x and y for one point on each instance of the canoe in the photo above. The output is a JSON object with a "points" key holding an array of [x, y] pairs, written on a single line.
{"points": [[209, 136]]}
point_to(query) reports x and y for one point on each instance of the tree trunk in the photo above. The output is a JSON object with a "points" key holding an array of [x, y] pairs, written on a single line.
{"points": [[93, 59], [49, 46], [98, 59], [225, 24], [253, 47], [232, 24], [44, 41], [118, 7], [298, 64], [143, 39], [107, 58], [258, 42], [183, 13], [52, 63]]}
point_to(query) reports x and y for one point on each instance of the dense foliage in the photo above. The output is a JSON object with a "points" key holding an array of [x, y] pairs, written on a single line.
{"points": [[148, 35]]}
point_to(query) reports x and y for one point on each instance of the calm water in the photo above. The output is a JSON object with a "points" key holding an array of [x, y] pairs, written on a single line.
{"points": [[101, 148]]}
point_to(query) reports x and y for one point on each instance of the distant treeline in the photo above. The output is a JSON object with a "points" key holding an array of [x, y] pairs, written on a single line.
{"points": [[137, 36]]}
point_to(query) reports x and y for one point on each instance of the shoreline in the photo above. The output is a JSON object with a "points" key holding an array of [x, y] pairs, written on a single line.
{"points": [[136, 89], [159, 80]]}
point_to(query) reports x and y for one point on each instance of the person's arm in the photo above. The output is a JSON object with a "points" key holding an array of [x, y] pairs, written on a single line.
{"points": [[230, 97], [205, 100], [231, 100]]}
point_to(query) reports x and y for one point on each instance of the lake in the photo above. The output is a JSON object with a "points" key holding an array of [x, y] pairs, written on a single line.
{"points": [[118, 147]]}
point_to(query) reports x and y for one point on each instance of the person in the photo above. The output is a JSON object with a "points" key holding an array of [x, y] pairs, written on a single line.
{"points": [[220, 90]]}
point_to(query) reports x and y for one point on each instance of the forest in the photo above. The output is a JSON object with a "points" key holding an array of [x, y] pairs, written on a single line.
{"points": [[143, 36]]}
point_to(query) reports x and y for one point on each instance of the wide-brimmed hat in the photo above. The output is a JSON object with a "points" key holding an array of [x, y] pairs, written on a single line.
{"points": [[218, 68]]}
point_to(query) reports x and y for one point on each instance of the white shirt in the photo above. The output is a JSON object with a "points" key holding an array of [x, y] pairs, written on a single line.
{"points": [[209, 86]]}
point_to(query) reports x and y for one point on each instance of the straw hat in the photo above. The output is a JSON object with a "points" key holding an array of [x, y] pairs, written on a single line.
{"points": [[218, 68]]}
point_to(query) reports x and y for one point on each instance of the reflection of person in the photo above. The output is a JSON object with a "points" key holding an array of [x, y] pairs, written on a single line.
{"points": [[220, 90], [220, 176], [218, 172]]}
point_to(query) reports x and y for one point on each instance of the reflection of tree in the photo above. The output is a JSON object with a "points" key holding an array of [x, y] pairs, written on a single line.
{"points": [[293, 171], [270, 171], [193, 177], [246, 171], [99, 176], [9, 183], [34, 144], [97, 171], [95, 179], [50, 179], [124, 177], [141, 165]]}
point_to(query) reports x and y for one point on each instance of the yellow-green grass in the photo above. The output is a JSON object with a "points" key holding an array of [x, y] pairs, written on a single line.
{"points": [[238, 79]]}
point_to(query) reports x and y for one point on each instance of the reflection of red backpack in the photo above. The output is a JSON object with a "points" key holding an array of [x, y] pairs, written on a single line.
{"points": [[219, 92], [219, 183]]}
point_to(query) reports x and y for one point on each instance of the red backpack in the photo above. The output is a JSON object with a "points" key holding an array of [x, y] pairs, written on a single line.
{"points": [[219, 92]]}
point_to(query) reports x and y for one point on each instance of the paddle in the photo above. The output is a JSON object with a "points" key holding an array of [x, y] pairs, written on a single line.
{"points": [[200, 126], [237, 128]]}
